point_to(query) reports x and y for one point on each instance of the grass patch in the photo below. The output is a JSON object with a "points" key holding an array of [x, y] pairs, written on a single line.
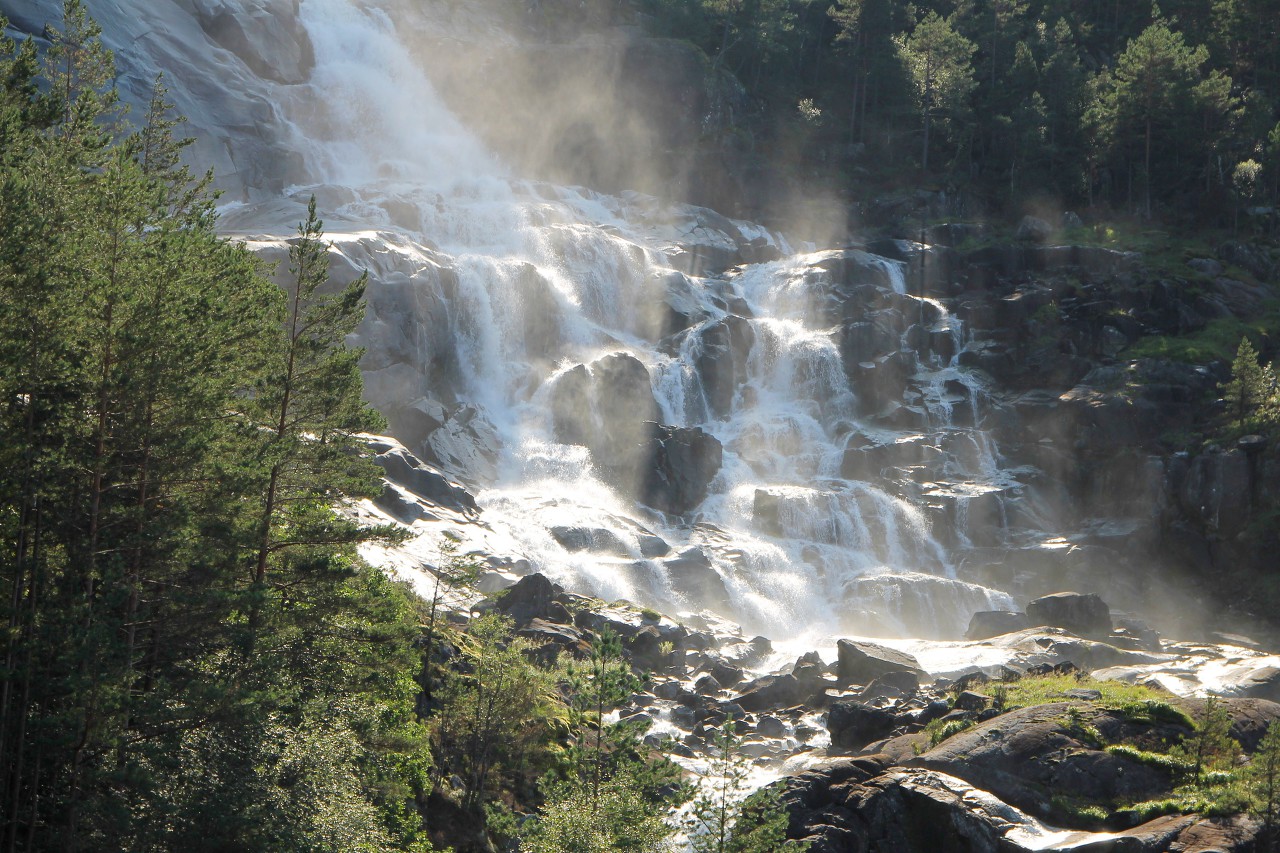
{"points": [[1045, 689], [1077, 813], [1217, 795], [1218, 341], [1152, 809], [1151, 711], [939, 730], [1176, 767]]}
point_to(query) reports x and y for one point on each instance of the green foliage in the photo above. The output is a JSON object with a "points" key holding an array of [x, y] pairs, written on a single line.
{"points": [[1045, 689], [1114, 107], [1217, 341], [1210, 745], [1251, 395], [940, 730], [1151, 711], [620, 815], [1073, 812], [939, 60], [155, 691], [1176, 766], [1264, 774], [723, 819], [498, 719]]}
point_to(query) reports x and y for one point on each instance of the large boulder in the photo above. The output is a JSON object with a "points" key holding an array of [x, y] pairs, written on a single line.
{"points": [[861, 663], [532, 597], [856, 724], [681, 463], [865, 805], [694, 577], [771, 692], [1034, 229], [1083, 614], [607, 407]]}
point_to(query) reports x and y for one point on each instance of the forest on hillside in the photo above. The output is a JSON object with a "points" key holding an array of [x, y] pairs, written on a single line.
{"points": [[1168, 110]]}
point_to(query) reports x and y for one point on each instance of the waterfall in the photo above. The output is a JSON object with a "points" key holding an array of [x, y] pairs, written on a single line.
{"points": [[500, 310]]}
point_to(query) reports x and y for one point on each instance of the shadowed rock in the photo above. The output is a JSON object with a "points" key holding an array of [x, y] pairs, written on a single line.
{"points": [[1086, 615]]}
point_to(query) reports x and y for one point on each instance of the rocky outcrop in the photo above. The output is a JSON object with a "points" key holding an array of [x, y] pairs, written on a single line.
{"points": [[680, 463], [265, 34], [420, 479], [1009, 756], [866, 805], [723, 349], [609, 407]]}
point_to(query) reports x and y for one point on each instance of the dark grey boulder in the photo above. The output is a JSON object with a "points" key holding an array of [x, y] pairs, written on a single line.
{"points": [[861, 663], [596, 539], [993, 623], [771, 692], [1034, 229], [531, 598], [855, 724], [1084, 614], [694, 577], [680, 465]]}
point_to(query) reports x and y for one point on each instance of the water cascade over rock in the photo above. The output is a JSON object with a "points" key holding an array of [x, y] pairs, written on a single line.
{"points": [[637, 398]]}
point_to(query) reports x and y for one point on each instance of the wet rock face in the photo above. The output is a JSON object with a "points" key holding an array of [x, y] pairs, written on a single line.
{"points": [[605, 406], [423, 480], [609, 407], [680, 465], [265, 34], [724, 347]]}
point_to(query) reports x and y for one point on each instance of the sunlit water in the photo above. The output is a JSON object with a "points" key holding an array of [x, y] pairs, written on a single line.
{"points": [[549, 277]]}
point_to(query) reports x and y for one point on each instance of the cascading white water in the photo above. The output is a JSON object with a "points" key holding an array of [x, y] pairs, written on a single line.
{"points": [[512, 284]]}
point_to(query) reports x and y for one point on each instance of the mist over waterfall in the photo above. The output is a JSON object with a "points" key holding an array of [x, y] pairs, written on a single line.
{"points": [[648, 400], [505, 316]]}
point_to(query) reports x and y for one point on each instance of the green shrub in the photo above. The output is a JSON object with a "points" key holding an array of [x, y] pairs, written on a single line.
{"points": [[938, 730], [1168, 763], [1152, 809], [1150, 711]]}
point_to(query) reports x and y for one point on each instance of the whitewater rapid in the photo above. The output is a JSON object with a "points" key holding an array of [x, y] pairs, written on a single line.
{"points": [[541, 278]]}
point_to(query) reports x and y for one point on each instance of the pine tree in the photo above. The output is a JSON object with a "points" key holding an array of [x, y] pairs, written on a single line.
{"points": [[1264, 772], [723, 818], [1158, 101], [940, 60], [309, 412], [1251, 389]]}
